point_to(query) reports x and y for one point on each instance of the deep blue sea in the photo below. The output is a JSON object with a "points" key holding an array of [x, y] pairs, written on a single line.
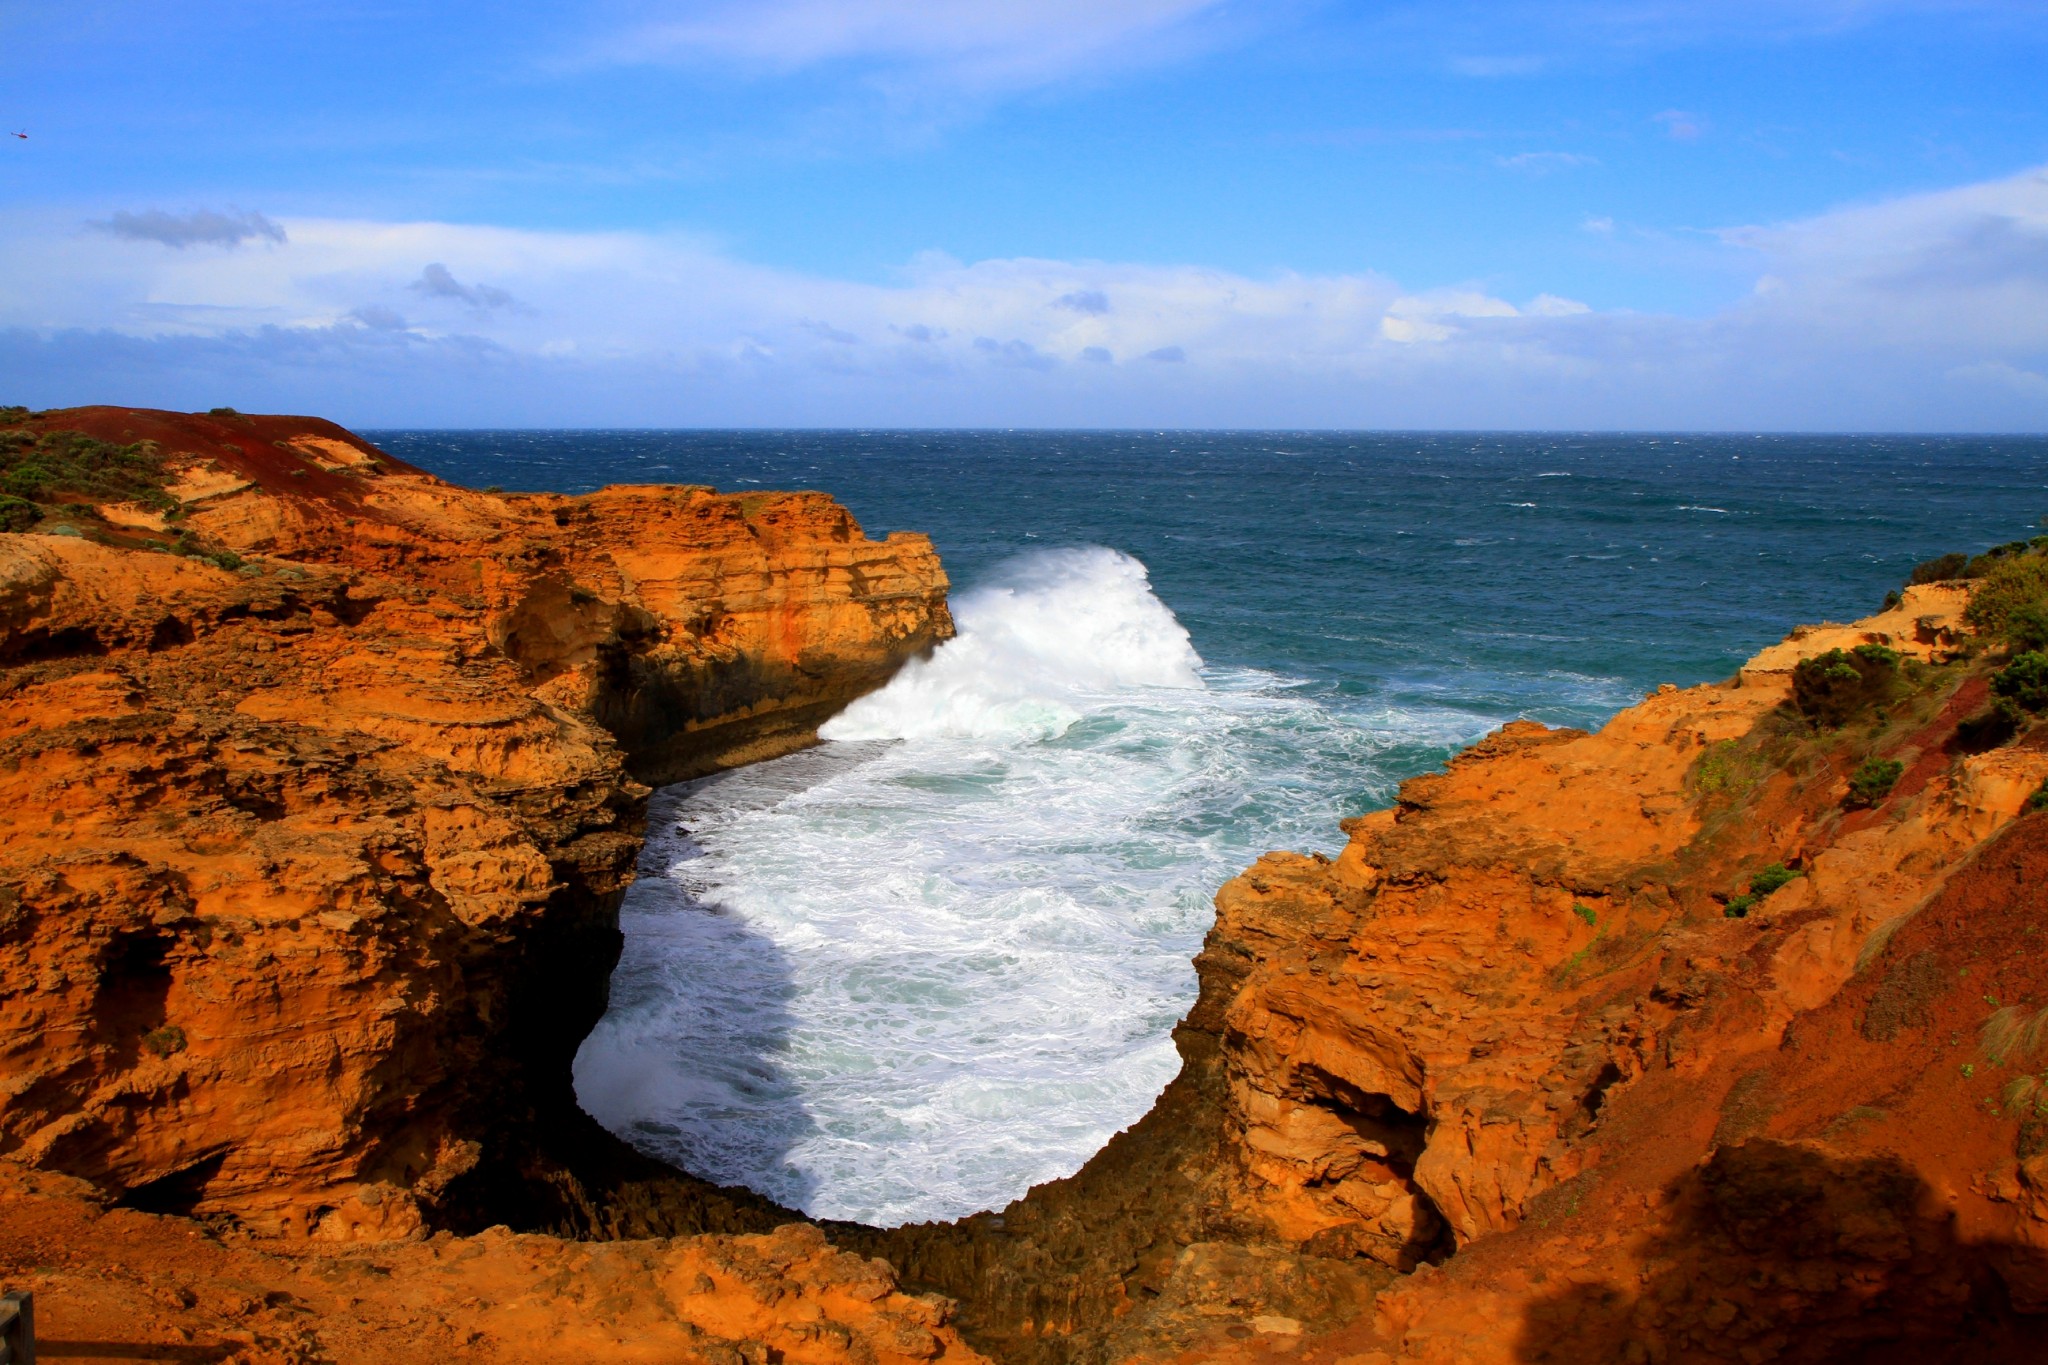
{"points": [[913, 971]]}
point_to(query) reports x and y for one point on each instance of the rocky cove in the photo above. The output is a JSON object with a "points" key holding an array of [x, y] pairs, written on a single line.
{"points": [[327, 778]]}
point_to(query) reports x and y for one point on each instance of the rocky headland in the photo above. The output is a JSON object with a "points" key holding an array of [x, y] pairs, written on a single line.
{"points": [[1718, 1034]]}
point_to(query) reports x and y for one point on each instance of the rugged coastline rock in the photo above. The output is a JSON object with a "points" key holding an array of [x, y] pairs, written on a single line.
{"points": [[325, 778], [1525, 1074], [1704, 1037]]}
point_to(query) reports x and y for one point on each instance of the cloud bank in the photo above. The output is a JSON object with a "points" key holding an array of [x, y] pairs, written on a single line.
{"points": [[1925, 312]]}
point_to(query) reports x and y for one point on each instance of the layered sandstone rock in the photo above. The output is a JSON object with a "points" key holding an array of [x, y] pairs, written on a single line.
{"points": [[309, 899], [120, 1284], [313, 864], [1509, 1065]]}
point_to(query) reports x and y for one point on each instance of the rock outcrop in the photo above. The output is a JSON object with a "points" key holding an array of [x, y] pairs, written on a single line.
{"points": [[1718, 1034], [1526, 1074], [324, 781]]}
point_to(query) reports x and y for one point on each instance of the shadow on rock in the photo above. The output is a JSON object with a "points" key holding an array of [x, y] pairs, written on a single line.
{"points": [[687, 1065], [1793, 1253]]}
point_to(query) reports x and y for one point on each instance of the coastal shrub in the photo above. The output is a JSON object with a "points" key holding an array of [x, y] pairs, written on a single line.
{"points": [[2026, 629], [1773, 878], [165, 1041], [1829, 689], [1585, 912], [18, 514], [1938, 570], [58, 465], [1872, 782], [2039, 800], [13, 415], [1991, 727], [2011, 603], [2013, 1034], [222, 412], [2024, 681]]}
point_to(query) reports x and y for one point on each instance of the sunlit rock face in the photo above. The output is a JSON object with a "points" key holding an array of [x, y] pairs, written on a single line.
{"points": [[322, 786]]}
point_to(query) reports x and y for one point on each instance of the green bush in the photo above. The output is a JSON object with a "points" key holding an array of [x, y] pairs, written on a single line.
{"points": [[166, 1041], [1830, 689], [2039, 800], [2024, 681], [1585, 912], [56, 465], [2026, 629], [18, 514], [2011, 603], [1773, 878], [1872, 782], [1990, 727], [1939, 570]]}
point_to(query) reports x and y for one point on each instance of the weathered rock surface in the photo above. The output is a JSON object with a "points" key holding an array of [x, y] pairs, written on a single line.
{"points": [[309, 898], [310, 886], [1509, 1065], [116, 1284]]}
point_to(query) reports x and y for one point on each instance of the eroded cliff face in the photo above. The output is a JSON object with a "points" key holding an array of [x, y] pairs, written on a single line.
{"points": [[321, 782], [1505, 1081], [310, 895]]}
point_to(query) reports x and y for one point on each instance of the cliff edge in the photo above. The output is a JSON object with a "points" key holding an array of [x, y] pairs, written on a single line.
{"points": [[325, 779], [1720, 1033]]}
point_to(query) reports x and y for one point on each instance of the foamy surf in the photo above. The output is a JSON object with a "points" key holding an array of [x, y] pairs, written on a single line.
{"points": [[910, 973], [1058, 631]]}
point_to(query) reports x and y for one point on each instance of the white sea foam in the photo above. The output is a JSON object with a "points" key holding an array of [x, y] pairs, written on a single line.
{"points": [[1061, 629], [911, 972]]}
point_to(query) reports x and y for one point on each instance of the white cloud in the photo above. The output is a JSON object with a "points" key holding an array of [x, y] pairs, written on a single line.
{"points": [[975, 41], [438, 282], [1538, 163], [1681, 126], [2003, 375], [1552, 306], [1486, 67], [1924, 311]]}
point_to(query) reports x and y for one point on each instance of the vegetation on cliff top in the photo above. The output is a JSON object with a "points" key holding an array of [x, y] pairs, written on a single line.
{"points": [[42, 471], [47, 475], [1834, 688]]}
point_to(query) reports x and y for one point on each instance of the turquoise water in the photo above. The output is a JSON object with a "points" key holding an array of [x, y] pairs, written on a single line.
{"points": [[911, 972]]}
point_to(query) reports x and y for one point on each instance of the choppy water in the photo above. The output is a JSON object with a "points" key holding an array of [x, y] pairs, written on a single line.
{"points": [[911, 972]]}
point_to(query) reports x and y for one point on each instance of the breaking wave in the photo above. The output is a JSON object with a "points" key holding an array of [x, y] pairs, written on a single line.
{"points": [[938, 959]]}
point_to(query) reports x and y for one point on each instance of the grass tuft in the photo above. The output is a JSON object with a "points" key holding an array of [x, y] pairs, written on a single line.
{"points": [[2013, 1034]]}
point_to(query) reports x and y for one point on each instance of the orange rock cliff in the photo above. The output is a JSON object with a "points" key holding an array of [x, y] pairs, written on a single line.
{"points": [[1682, 1041]]}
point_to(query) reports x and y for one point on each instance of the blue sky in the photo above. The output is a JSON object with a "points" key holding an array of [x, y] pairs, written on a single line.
{"points": [[1801, 214]]}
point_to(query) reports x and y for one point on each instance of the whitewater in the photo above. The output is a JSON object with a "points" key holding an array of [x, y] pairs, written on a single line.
{"points": [[938, 959]]}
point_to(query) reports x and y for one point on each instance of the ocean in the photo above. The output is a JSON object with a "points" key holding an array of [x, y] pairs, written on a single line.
{"points": [[913, 971]]}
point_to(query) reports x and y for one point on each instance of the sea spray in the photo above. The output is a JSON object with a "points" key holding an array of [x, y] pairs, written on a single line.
{"points": [[1055, 631], [914, 971]]}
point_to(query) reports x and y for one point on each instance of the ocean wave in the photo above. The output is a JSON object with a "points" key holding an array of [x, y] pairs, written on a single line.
{"points": [[938, 959]]}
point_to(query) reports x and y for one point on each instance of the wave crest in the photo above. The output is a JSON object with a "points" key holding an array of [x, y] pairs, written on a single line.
{"points": [[1060, 629]]}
